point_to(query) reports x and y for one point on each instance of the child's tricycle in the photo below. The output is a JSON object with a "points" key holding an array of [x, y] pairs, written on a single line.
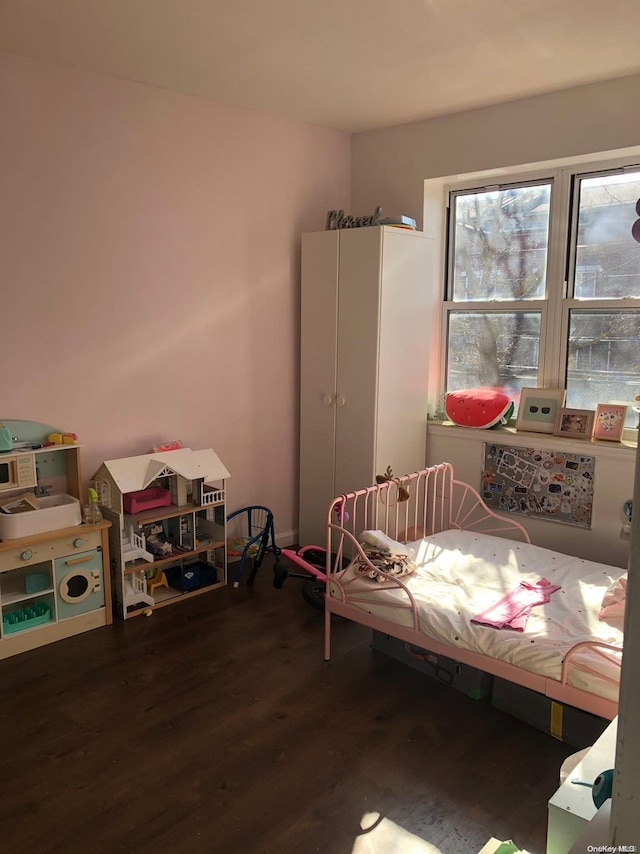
{"points": [[312, 560]]}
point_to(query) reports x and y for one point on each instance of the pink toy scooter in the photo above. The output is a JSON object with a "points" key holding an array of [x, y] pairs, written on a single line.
{"points": [[312, 560]]}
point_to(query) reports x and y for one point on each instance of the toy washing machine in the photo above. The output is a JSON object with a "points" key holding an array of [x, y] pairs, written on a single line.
{"points": [[79, 585]]}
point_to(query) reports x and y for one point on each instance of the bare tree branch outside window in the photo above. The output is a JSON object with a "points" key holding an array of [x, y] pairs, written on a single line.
{"points": [[499, 253]]}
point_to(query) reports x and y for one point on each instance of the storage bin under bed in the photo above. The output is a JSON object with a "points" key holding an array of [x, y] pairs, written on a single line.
{"points": [[468, 680], [566, 723]]}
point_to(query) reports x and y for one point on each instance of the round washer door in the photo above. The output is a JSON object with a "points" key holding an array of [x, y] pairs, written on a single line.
{"points": [[76, 586]]}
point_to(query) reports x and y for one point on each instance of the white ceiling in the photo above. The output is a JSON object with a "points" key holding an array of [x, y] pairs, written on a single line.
{"points": [[348, 64]]}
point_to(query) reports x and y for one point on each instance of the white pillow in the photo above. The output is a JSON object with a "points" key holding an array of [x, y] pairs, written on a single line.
{"points": [[614, 599]]}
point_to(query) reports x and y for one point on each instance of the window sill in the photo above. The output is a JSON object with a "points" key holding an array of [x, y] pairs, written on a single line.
{"points": [[544, 441]]}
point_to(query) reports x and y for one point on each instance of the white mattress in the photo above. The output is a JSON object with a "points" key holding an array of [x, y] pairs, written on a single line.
{"points": [[461, 573]]}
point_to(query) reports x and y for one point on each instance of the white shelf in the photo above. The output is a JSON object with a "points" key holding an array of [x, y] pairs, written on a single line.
{"points": [[571, 808], [12, 598], [543, 441], [158, 514]]}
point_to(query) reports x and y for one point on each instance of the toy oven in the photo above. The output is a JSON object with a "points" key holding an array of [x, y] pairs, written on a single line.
{"points": [[17, 471]]}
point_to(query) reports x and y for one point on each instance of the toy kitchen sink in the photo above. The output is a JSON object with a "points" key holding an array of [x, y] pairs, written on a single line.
{"points": [[48, 472], [55, 512]]}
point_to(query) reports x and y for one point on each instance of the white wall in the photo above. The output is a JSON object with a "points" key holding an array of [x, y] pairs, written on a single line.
{"points": [[613, 485], [625, 805], [390, 165], [149, 269]]}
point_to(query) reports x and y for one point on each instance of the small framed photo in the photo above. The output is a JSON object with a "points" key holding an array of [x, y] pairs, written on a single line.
{"points": [[574, 423], [538, 409], [609, 423]]}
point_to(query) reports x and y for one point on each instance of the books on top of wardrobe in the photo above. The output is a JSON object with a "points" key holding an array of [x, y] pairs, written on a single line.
{"points": [[399, 221]]}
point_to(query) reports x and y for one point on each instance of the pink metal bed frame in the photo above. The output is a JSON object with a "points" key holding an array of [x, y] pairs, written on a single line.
{"points": [[437, 502]]}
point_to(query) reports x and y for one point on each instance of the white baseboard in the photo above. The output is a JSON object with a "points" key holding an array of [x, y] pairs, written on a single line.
{"points": [[284, 539]]}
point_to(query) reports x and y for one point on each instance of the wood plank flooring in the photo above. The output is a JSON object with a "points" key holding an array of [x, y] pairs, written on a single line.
{"points": [[215, 727]]}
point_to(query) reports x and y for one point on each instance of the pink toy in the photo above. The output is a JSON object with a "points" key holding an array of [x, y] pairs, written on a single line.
{"points": [[478, 407], [312, 561], [146, 499], [167, 446]]}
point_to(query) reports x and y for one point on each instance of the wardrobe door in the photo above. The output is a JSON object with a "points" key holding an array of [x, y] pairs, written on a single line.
{"points": [[356, 388], [406, 291], [318, 329]]}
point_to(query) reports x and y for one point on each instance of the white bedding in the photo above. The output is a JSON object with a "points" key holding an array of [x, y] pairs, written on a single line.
{"points": [[461, 573]]}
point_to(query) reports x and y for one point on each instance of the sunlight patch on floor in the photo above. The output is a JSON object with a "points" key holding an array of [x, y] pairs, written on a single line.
{"points": [[383, 836]]}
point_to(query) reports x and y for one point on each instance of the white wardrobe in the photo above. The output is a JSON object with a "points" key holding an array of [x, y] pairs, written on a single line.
{"points": [[366, 295]]}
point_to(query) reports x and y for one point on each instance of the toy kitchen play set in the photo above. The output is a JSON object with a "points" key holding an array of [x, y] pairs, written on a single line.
{"points": [[54, 578]]}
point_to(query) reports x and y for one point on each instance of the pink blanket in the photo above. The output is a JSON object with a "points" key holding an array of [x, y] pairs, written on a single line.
{"points": [[512, 611]]}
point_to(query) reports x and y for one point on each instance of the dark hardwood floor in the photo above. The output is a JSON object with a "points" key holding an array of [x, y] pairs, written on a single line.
{"points": [[215, 726]]}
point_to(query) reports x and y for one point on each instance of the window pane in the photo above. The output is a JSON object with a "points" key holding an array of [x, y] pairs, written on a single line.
{"points": [[606, 253], [493, 349], [500, 244], [603, 364]]}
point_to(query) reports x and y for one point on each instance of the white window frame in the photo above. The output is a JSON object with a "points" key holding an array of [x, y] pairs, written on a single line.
{"points": [[556, 307]]}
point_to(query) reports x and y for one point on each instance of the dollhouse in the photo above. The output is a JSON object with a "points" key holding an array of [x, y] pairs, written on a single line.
{"points": [[168, 526]]}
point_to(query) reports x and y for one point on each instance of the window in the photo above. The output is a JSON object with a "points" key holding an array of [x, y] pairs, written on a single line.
{"points": [[543, 286]]}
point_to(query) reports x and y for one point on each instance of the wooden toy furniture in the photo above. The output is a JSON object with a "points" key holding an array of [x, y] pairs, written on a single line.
{"points": [[54, 581], [168, 519]]}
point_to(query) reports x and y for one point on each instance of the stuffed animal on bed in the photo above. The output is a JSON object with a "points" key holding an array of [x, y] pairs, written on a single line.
{"points": [[403, 495], [480, 408]]}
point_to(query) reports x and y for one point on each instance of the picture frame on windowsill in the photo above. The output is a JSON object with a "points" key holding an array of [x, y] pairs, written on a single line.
{"points": [[609, 422], [538, 409], [574, 423]]}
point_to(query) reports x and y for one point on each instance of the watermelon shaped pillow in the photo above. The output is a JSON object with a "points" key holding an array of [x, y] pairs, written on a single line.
{"points": [[478, 407]]}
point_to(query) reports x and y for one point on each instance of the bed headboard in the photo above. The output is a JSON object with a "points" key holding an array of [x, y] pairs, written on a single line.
{"points": [[436, 502]]}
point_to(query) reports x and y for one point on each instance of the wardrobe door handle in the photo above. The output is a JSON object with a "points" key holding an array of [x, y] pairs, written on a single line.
{"points": [[327, 400], [341, 400]]}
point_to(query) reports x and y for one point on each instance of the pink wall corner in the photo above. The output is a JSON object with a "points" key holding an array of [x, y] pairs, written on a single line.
{"points": [[150, 269]]}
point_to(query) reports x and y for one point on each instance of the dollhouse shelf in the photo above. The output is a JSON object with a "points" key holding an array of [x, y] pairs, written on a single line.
{"points": [[154, 549], [168, 597], [138, 565], [168, 512]]}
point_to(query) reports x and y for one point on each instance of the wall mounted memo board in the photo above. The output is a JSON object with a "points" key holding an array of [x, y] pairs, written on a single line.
{"points": [[550, 485]]}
